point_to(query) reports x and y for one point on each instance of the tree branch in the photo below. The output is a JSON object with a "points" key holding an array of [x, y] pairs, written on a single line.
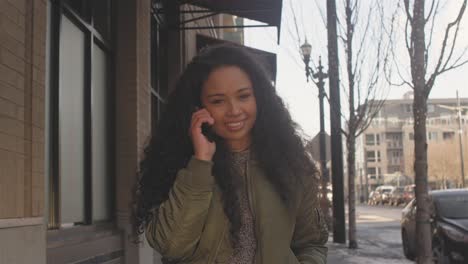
{"points": [[426, 54], [439, 68], [430, 11], [408, 14]]}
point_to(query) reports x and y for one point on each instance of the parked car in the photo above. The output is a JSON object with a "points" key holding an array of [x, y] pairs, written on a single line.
{"points": [[408, 193], [380, 194], [396, 196], [449, 218]]}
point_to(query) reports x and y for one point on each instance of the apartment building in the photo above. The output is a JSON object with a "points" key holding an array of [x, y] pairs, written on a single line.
{"points": [[82, 85], [385, 151]]}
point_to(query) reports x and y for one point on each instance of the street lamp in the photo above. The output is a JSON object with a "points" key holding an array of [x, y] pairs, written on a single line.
{"points": [[306, 49]]}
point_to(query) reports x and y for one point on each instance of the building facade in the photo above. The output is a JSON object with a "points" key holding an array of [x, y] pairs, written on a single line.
{"points": [[385, 151], [82, 86]]}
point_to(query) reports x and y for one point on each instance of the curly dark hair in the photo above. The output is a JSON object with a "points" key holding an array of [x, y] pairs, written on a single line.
{"points": [[277, 140]]}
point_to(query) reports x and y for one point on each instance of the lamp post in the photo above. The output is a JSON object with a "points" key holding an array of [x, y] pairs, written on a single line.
{"points": [[306, 49]]}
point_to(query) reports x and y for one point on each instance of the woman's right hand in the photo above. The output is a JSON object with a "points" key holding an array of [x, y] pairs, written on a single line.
{"points": [[204, 149]]}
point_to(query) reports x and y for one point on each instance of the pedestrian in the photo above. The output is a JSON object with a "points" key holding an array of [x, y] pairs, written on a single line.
{"points": [[225, 177]]}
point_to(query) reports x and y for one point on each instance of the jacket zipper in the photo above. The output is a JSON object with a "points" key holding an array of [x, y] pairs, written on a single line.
{"points": [[251, 198]]}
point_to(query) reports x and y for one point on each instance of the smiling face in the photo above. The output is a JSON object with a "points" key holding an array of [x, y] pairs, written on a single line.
{"points": [[228, 96]]}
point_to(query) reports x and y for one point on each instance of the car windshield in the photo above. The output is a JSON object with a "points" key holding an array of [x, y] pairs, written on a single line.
{"points": [[453, 206], [386, 190]]}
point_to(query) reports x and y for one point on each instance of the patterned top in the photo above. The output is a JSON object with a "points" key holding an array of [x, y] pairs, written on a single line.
{"points": [[244, 252]]}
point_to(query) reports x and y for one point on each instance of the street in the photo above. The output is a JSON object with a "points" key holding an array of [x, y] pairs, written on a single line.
{"points": [[379, 239]]}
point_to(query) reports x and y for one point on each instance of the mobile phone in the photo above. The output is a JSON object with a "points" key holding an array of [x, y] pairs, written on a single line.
{"points": [[207, 130]]}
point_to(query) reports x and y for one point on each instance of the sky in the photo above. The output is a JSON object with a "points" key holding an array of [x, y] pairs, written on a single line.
{"points": [[301, 97]]}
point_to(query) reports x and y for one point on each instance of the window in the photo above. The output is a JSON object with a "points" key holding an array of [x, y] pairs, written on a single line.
{"points": [[432, 136], [159, 70], [371, 172], [370, 139], [408, 108], [81, 7], [101, 17], [378, 156], [448, 135], [81, 109], [370, 156], [377, 139]]}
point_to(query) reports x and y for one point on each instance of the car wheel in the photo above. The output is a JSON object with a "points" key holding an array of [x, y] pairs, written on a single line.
{"points": [[406, 249], [439, 252]]}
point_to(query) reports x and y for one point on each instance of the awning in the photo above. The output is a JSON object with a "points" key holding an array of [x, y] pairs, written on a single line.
{"points": [[268, 59], [266, 11]]}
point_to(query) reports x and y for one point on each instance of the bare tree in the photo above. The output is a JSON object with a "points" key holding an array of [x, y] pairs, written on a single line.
{"points": [[441, 166], [422, 82], [365, 56]]}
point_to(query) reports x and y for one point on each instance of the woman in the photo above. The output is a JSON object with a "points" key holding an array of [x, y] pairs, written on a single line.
{"points": [[245, 194]]}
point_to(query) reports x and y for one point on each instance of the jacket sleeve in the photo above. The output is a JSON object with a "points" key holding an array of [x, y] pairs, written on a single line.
{"points": [[177, 225], [310, 233]]}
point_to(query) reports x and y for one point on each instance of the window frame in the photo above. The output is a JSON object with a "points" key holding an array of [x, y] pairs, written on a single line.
{"points": [[370, 175], [58, 9], [368, 142], [159, 70], [371, 158]]}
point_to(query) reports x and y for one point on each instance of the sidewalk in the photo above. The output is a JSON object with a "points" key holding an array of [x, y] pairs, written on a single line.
{"points": [[367, 253]]}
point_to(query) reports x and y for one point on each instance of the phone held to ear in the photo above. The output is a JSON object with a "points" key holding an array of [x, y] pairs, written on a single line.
{"points": [[207, 130]]}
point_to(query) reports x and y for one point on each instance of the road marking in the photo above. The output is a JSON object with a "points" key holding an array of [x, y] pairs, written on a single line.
{"points": [[373, 219]]}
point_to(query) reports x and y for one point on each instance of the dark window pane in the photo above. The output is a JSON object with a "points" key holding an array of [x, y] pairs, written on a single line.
{"points": [[159, 59], [453, 206], [155, 111], [101, 17], [81, 7]]}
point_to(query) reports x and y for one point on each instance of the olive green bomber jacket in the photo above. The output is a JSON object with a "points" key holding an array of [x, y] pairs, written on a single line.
{"points": [[191, 227]]}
